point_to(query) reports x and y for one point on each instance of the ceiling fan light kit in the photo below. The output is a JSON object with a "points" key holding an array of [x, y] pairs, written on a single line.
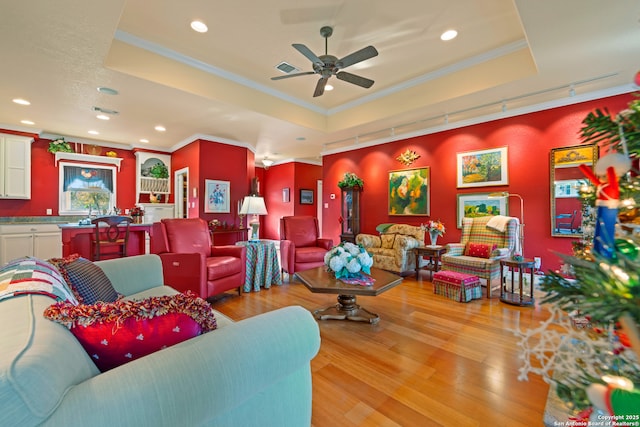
{"points": [[328, 65]]}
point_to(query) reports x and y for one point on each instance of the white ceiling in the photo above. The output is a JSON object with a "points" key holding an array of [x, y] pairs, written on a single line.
{"points": [[218, 85]]}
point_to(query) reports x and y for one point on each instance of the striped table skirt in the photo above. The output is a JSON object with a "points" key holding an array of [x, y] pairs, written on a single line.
{"points": [[457, 286]]}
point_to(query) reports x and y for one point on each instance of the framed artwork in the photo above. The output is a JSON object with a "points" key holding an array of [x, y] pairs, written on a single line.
{"points": [[409, 192], [482, 168], [306, 197], [286, 197], [217, 196], [474, 205]]}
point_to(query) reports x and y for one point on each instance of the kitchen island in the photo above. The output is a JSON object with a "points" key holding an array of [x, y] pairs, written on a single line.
{"points": [[77, 239]]}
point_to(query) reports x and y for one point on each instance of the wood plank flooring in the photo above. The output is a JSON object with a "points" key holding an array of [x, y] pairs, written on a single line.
{"points": [[429, 361]]}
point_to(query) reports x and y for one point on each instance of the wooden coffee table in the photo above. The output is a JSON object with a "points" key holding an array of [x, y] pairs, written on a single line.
{"points": [[318, 280]]}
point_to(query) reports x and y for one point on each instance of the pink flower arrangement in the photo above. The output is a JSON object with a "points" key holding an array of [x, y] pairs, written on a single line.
{"points": [[436, 227]]}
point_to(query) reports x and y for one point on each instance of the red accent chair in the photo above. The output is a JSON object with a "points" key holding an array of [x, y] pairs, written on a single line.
{"points": [[301, 247], [191, 262]]}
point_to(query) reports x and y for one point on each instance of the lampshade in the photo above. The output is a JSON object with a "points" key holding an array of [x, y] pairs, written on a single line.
{"points": [[253, 205]]}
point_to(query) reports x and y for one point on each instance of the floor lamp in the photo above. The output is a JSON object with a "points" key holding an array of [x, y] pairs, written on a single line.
{"points": [[253, 205], [520, 230]]}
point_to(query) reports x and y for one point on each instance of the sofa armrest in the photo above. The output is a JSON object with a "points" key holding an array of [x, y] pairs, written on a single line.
{"points": [[134, 274], [369, 240], [405, 243], [229, 250], [455, 249], [207, 378], [324, 243], [185, 272]]}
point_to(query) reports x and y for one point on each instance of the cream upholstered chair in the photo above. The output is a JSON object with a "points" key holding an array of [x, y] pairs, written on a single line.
{"points": [[482, 247], [392, 249]]}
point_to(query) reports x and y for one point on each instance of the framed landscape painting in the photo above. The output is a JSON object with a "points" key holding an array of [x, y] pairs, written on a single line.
{"points": [[217, 196], [482, 168], [480, 204], [409, 192]]}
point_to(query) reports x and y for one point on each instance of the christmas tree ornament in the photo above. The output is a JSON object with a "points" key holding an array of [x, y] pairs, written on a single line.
{"points": [[607, 202]]}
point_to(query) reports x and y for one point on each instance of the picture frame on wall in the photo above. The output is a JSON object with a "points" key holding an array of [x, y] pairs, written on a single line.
{"points": [[482, 168], [286, 195], [566, 188], [306, 197], [217, 195], [409, 191], [475, 205]]}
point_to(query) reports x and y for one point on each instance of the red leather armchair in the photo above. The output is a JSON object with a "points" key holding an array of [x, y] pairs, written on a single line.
{"points": [[301, 247], [191, 262]]}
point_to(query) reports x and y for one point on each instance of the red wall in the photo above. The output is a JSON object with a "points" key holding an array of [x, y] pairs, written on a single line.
{"points": [[45, 177], [294, 176], [529, 139]]}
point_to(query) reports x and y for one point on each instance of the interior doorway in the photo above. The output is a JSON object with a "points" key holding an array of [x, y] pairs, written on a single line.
{"points": [[181, 181], [319, 205]]}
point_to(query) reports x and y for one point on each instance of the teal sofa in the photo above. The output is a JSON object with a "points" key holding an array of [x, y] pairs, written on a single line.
{"points": [[254, 372]]}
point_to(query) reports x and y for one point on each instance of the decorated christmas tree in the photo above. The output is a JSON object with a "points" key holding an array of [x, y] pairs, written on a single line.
{"points": [[589, 347]]}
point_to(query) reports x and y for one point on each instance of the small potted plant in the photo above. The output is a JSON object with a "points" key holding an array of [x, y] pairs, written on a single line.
{"points": [[351, 180], [60, 145]]}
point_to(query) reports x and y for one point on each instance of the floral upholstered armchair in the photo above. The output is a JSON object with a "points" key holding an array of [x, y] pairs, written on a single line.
{"points": [[392, 249]]}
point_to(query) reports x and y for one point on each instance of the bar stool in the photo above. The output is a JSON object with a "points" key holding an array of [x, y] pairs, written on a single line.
{"points": [[111, 237]]}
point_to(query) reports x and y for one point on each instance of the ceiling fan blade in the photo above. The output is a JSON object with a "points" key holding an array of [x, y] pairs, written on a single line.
{"points": [[358, 56], [307, 52], [356, 80], [293, 75], [320, 86]]}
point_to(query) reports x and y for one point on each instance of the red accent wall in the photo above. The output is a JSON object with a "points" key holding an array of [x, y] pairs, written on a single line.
{"points": [[529, 139], [294, 176], [45, 178]]}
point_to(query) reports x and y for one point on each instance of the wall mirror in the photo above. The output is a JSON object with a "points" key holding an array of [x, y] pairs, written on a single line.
{"points": [[566, 179]]}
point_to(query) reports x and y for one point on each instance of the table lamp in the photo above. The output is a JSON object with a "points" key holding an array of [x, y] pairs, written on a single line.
{"points": [[521, 225], [253, 205]]}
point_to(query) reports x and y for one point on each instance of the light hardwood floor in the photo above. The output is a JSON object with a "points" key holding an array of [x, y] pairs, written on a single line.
{"points": [[429, 361]]}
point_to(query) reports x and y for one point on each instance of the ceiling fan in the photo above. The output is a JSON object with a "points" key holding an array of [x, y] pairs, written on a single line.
{"points": [[328, 65]]}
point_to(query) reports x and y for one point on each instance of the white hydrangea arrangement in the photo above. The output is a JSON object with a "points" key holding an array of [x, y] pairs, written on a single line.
{"points": [[348, 260]]}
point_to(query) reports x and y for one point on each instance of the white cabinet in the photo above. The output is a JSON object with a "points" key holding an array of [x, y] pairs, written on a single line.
{"points": [[154, 212], [42, 241], [15, 167]]}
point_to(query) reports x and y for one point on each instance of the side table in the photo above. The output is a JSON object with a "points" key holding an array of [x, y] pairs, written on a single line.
{"points": [[512, 266], [433, 252], [263, 268]]}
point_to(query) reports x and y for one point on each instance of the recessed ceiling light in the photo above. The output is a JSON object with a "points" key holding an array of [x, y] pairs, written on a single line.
{"points": [[449, 35], [160, 128], [94, 132], [199, 26], [143, 140], [21, 101], [103, 117], [27, 122], [107, 90], [328, 87]]}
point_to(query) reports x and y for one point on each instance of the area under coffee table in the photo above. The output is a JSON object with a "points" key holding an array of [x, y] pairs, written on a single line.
{"points": [[319, 280]]}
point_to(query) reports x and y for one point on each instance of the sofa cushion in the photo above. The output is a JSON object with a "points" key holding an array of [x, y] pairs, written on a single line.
{"points": [[88, 282], [480, 250], [30, 275], [388, 240], [116, 333]]}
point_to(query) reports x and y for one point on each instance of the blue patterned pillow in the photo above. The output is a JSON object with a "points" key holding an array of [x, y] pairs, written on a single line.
{"points": [[87, 280], [31, 275]]}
